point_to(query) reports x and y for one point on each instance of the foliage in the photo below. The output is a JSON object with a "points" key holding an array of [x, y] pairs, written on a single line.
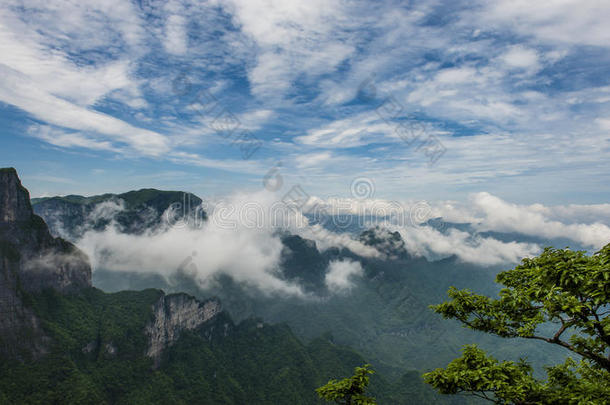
{"points": [[72, 215], [96, 356], [385, 317], [351, 390], [561, 288]]}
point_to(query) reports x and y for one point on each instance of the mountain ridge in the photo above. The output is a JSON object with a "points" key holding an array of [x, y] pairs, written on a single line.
{"points": [[133, 211], [144, 347]]}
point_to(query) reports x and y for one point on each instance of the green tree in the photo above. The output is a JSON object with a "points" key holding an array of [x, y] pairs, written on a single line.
{"points": [[563, 289], [349, 391]]}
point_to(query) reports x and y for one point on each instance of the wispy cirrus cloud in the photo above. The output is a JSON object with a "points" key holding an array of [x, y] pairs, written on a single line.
{"points": [[516, 91], [555, 21]]}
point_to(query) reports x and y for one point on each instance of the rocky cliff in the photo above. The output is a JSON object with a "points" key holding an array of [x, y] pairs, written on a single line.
{"points": [[173, 314], [30, 261], [14, 198], [388, 243], [30, 255]]}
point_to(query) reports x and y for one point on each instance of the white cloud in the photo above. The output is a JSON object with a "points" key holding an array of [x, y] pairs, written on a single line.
{"points": [[240, 239], [106, 210], [521, 57], [361, 129], [227, 243], [466, 93], [313, 159], [569, 21], [326, 239], [576, 213], [230, 165], [341, 273], [456, 75], [359, 207], [499, 215], [21, 92], [271, 75], [293, 38], [251, 258], [52, 71], [63, 139], [586, 225], [176, 37], [255, 118], [83, 25], [604, 123], [426, 241], [45, 82]]}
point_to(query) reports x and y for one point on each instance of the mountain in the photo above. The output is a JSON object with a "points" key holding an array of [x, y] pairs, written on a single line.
{"points": [[385, 315], [66, 342], [301, 262], [147, 347], [387, 242], [133, 212], [31, 260], [30, 254]]}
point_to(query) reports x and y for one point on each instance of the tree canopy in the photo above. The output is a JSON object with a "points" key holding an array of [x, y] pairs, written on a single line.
{"points": [[349, 391], [562, 291]]}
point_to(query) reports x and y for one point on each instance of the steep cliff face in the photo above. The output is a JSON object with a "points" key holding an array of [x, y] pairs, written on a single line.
{"points": [[30, 260], [29, 255], [16, 320], [173, 314], [14, 198]]}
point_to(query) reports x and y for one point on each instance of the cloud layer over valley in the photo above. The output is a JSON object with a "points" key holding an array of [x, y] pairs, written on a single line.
{"points": [[242, 236]]}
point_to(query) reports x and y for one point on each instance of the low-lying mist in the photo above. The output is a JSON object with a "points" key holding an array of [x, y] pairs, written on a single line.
{"points": [[241, 236]]}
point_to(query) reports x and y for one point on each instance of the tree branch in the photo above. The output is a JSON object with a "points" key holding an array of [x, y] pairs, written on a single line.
{"points": [[605, 363], [562, 329], [482, 395]]}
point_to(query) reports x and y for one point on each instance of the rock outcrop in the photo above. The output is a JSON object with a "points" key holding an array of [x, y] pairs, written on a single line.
{"points": [[302, 262], [173, 314], [30, 260], [388, 243], [14, 198], [29, 254]]}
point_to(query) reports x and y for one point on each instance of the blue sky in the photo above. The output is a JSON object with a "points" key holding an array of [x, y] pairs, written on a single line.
{"points": [[426, 100]]}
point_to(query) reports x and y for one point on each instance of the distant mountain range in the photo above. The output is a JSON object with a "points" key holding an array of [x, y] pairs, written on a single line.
{"points": [[133, 212], [385, 315], [64, 341]]}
